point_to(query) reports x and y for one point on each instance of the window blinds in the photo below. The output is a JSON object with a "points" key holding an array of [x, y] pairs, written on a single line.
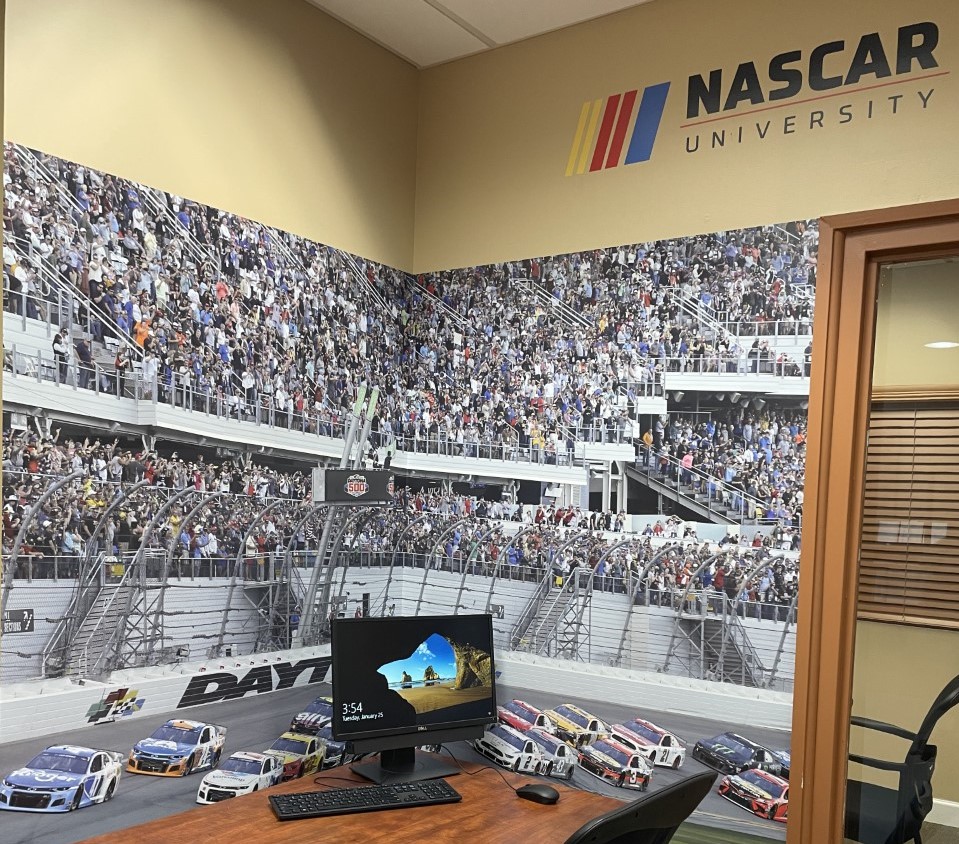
{"points": [[909, 555]]}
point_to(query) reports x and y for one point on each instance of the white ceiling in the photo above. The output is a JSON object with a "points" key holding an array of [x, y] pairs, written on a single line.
{"points": [[429, 32]]}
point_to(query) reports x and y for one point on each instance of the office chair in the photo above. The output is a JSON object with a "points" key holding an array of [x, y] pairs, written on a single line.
{"points": [[652, 819], [879, 815]]}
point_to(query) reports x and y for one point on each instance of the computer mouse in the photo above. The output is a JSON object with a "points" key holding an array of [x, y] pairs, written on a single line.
{"points": [[538, 793]]}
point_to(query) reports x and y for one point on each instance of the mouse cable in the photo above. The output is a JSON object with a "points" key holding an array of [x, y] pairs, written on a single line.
{"points": [[478, 770]]}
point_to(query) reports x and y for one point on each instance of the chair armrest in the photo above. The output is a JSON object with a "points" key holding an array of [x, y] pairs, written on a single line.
{"points": [[881, 764], [882, 726]]}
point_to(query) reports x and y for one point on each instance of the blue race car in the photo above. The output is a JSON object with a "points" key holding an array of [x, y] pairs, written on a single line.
{"points": [[730, 753], [62, 778], [335, 750], [177, 749]]}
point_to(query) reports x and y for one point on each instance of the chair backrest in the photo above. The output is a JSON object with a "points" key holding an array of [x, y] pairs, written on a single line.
{"points": [[946, 700], [651, 819]]}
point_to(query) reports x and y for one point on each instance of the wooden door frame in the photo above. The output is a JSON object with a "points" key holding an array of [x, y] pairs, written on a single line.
{"points": [[851, 247]]}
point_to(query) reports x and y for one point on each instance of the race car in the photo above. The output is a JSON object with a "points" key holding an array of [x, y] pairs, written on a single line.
{"points": [[763, 794], [521, 715], [511, 749], [177, 749], [784, 758], [334, 752], [62, 778], [242, 773], [575, 726], [299, 754], [560, 757], [730, 753], [658, 745], [611, 761], [318, 713]]}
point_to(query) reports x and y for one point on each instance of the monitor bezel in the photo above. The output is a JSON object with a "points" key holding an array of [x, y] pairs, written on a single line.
{"points": [[391, 737]]}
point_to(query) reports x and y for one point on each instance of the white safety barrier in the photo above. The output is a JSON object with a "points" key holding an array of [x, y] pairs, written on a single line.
{"points": [[662, 692], [50, 707]]}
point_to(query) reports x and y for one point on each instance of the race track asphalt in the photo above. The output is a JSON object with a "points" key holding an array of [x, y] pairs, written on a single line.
{"points": [[254, 722]]}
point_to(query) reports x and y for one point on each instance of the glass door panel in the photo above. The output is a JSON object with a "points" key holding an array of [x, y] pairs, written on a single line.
{"points": [[903, 784]]}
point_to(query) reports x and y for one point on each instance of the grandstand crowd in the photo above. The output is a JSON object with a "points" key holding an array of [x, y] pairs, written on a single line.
{"points": [[253, 514], [203, 305], [539, 353], [736, 452]]}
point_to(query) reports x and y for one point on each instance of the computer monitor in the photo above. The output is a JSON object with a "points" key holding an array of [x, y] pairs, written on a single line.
{"points": [[401, 682]]}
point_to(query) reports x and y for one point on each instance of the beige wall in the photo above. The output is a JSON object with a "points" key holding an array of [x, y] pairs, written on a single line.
{"points": [[899, 671], [268, 109], [277, 112], [496, 131], [918, 304]]}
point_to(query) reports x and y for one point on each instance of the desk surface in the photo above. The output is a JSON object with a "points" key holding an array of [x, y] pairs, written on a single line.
{"points": [[489, 812]]}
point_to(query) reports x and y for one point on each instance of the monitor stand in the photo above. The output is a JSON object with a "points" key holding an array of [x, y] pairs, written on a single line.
{"points": [[404, 765]]}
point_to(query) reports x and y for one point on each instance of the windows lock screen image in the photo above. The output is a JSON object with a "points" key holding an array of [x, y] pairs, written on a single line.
{"points": [[409, 672]]}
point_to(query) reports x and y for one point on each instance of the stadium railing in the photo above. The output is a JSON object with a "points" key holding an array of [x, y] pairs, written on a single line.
{"points": [[708, 491], [726, 365], [260, 409]]}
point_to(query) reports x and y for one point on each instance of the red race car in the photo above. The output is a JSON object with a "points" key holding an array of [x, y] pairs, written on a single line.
{"points": [[763, 794], [522, 716]]}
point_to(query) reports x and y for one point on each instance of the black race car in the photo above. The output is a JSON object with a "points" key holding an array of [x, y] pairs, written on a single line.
{"points": [[785, 759], [730, 753], [318, 714]]}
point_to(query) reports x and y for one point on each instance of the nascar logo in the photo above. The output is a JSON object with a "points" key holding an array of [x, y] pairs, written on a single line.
{"points": [[356, 485], [603, 150]]}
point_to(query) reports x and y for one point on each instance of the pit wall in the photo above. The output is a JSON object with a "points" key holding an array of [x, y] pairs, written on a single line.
{"points": [[196, 611], [50, 707]]}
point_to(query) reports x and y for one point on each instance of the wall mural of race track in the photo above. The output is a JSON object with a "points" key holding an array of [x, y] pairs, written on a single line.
{"points": [[144, 298], [252, 725]]}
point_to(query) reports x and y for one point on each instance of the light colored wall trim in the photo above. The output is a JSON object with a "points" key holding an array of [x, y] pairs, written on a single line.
{"points": [[944, 812]]}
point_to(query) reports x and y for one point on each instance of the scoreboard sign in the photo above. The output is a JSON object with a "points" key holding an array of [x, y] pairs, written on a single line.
{"points": [[352, 486], [17, 621]]}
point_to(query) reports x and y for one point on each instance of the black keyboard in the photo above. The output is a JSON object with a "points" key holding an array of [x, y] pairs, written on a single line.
{"points": [[367, 798]]}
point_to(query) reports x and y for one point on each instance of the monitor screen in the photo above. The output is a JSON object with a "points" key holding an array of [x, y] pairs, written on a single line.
{"points": [[403, 682]]}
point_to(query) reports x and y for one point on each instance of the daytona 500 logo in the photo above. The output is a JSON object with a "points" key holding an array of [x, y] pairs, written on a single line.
{"points": [[356, 485], [226, 685]]}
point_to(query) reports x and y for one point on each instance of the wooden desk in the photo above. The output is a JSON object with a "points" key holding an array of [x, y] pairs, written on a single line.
{"points": [[489, 812]]}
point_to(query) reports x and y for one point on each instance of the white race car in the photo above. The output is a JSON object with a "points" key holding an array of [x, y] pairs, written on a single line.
{"points": [[511, 749], [560, 758], [242, 773], [660, 746]]}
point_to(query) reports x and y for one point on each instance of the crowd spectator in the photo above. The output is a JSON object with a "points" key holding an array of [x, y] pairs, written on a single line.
{"points": [[453, 532], [735, 453], [228, 310]]}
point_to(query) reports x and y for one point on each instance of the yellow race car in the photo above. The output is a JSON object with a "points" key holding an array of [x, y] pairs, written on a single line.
{"points": [[299, 753], [575, 726]]}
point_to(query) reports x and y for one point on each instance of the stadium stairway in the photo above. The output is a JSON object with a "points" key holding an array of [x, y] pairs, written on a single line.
{"points": [[98, 627], [556, 627], [710, 508], [721, 646]]}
